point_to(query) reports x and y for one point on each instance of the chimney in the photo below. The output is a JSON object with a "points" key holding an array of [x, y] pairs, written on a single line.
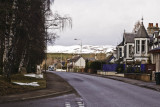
{"points": [[156, 24], [151, 24]]}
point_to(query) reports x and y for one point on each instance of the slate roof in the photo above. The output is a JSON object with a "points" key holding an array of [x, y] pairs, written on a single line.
{"points": [[75, 59], [109, 58], [142, 33], [121, 44], [129, 37]]}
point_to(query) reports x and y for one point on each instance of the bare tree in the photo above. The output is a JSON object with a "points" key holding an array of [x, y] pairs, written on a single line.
{"points": [[136, 27], [24, 33]]}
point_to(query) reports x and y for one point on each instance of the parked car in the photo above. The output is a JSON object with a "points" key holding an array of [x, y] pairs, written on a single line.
{"points": [[51, 68]]}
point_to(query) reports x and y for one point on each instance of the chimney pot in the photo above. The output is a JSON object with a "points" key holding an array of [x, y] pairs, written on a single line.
{"points": [[156, 24], [149, 25]]}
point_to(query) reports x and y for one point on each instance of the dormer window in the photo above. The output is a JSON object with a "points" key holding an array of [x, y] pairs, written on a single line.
{"points": [[143, 46]]}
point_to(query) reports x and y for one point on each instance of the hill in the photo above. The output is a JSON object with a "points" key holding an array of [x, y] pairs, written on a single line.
{"points": [[77, 48]]}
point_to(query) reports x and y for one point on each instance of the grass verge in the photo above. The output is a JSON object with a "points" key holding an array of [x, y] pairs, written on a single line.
{"points": [[11, 88]]}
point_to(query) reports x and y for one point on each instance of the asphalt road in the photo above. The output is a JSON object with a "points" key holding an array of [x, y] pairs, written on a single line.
{"points": [[103, 92], [96, 92]]}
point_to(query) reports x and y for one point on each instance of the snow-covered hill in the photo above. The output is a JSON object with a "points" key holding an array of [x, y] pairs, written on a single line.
{"points": [[77, 49]]}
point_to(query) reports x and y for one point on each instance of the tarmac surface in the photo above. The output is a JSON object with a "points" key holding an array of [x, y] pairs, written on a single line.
{"points": [[104, 92], [92, 88], [150, 85]]}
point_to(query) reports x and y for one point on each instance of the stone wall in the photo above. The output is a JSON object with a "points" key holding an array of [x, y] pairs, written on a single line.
{"points": [[142, 77]]}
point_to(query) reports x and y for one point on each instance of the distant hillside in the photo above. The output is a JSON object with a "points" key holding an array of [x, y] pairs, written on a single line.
{"points": [[77, 48]]}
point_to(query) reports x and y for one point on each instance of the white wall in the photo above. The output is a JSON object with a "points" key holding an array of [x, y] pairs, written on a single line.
{"points": [[80, 63], [146, 47], [141, 56]]}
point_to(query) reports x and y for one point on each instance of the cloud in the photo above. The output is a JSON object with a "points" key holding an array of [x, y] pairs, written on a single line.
{"points": [[102, 22]]}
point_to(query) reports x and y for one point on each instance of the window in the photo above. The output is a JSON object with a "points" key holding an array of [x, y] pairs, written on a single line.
{"points": [[130, 50], [143, 46], [120, 52], [137, 46]]}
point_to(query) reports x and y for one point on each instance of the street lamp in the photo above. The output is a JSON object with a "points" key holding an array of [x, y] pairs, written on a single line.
{"points": [[81, 49], [80, 45]]}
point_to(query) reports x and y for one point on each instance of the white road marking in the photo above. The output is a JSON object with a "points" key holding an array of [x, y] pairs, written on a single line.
{"points": [[67, 104], [80, 104]]}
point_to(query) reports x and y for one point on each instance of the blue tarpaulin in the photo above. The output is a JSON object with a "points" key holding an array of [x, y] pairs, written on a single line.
{"points": [[143, 68], [109, 67], [112, 67]]}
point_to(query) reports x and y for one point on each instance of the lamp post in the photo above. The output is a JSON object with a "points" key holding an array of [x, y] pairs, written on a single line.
{"points": [[80, 50], [80, 45]]}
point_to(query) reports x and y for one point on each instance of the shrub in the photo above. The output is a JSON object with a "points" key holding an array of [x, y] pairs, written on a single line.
{"points": [[120, 68], [96, 65], [133, 69], [130, 69]]}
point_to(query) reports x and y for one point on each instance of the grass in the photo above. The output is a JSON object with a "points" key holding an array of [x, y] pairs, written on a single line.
{"points": [[11, 88]]}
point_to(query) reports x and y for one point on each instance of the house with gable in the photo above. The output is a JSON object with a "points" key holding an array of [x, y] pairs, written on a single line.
{"points": [[136, 45], [128, 47], [76, 62], [141, 48]]}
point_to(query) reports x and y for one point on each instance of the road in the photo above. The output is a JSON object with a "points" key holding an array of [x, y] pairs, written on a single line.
{"points": [[103, 92], [96, 92]]}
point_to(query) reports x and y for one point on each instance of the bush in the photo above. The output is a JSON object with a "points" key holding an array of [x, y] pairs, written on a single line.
{"points": [[96, 65], [120, 68], [133, 69], [130, 69], [87, 67]]}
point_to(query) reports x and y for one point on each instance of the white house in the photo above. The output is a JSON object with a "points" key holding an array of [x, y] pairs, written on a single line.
{"points": [[135, 46], [80, 63], [141, 47], [77, 62]]}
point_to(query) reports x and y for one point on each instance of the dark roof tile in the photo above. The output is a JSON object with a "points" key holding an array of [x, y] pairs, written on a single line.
{"points": [[129, 37], [142, 33]]}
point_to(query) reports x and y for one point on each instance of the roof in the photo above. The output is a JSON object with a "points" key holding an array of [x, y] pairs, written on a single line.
{"points": [[142, 33], [156, 34], [76, 58], [121, 44], [155, 50], [109, 58], [129, 37]]}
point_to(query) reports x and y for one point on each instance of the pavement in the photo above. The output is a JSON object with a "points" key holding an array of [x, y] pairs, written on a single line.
{"points": [[150, 85], [56, 89], [55, 86]]}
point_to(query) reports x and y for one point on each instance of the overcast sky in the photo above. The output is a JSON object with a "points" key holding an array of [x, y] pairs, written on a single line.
{"points": [[102, 22]]}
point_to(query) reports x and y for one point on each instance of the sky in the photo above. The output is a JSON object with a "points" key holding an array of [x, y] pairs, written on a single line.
{"points": [[102, 22]]}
